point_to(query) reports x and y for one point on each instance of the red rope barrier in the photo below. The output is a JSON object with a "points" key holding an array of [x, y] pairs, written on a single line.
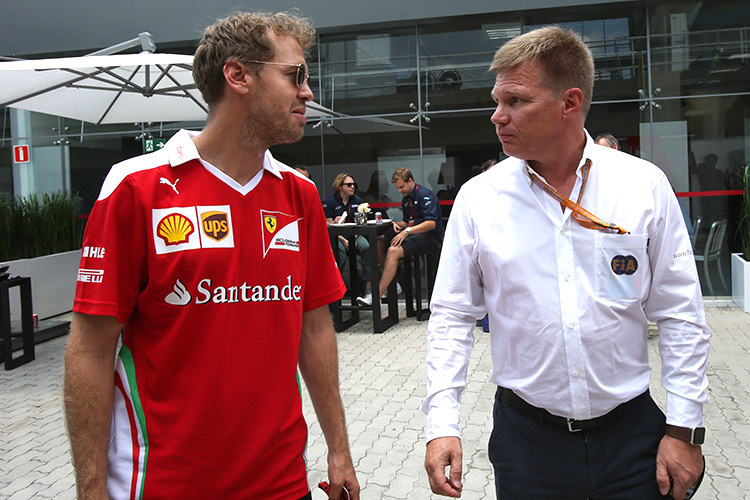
{"points": [[695, 194], [686, 194]]}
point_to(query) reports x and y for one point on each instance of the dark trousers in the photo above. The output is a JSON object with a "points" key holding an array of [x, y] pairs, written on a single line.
{"points": [[307, 497], [537, 460]]}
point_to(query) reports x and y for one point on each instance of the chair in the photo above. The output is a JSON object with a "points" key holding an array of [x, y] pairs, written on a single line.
{"points": [[414, 267], [27, 328], [696, 228], [712, 251]]}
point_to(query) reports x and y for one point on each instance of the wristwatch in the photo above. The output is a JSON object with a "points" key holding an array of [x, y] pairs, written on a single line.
{"points": [[408, 229], [693, 435]]}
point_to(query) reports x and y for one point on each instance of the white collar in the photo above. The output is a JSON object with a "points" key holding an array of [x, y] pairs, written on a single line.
{"points": [[181, 149]]}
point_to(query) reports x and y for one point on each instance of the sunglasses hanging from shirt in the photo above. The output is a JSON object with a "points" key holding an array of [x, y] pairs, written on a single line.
{"points": [[580, 214]]}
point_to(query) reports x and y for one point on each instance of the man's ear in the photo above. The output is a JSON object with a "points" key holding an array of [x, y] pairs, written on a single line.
{"points": [[572, 102], [237, 77]]}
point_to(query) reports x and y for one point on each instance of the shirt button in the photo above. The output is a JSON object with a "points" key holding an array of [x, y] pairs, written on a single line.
{"points": [[562, 231], [571, 325], [576, 374], [568, 277]]}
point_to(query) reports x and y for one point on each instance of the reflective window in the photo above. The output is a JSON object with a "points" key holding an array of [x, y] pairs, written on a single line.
{"points": [[366, 73], [700, 48], [455, 60]]}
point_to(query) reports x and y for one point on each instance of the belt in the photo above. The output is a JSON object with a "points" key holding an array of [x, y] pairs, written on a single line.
{"points": [[513, 400]]}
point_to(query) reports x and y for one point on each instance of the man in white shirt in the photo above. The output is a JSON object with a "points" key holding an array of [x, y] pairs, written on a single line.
{"points": [[570, 247]]}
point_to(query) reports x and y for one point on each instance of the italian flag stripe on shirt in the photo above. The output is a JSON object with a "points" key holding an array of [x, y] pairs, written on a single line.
{"points": [[129, 420]]}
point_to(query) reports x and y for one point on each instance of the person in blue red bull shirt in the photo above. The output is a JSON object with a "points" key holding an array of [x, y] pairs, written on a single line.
{"points": [[421, 230]]}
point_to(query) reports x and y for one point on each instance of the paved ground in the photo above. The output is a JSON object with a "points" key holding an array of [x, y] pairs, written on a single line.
{"points": [[382, 384]]}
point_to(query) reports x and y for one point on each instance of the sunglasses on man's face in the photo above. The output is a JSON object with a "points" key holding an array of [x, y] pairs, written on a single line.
{"points": [[302, 74], [349, 184]]}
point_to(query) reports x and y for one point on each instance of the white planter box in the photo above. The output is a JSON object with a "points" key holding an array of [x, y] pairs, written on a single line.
{"points": [[741, 282], [53, 283]]}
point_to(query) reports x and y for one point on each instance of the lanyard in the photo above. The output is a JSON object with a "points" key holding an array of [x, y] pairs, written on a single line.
{"points": [[412, 196], [347, 206], [580, 214]]}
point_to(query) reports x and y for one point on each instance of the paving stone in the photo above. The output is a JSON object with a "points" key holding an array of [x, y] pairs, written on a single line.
{"points": [[382, 387]]}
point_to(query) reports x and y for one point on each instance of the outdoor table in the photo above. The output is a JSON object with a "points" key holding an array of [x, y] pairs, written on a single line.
{"points": [[371, 231], [27, 327]]}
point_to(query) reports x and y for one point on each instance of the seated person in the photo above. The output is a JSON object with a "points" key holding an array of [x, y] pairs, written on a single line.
{"points": [[341, 207], [419, 232]]}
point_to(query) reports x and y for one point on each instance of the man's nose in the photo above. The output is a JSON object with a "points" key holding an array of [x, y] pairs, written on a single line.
{"points": [[305, 92], [499, 116]]}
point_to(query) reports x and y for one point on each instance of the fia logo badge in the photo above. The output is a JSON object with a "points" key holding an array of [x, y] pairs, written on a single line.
{"points": [[624, 264]]}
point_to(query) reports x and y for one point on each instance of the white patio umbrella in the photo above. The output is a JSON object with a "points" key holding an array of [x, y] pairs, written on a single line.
{"points": [[123, 88]]}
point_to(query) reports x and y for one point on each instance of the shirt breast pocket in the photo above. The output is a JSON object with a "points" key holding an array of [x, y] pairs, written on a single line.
{"points": [[621, 263]]}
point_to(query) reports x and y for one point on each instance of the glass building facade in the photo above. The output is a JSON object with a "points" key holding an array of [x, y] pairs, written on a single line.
{"points": [[672, 84]]}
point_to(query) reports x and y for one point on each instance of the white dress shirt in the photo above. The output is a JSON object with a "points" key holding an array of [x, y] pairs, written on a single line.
{"points": [[568, 334]]}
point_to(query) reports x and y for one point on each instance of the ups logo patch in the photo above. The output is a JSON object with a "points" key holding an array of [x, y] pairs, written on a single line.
{"points": [[215, 225]]}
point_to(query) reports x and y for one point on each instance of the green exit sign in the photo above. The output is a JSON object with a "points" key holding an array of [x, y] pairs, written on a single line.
{"points": [[151, 145]]}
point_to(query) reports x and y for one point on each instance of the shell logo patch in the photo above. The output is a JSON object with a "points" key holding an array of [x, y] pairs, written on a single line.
{"points": [[175, 229], [624, 265], [280, 231]]}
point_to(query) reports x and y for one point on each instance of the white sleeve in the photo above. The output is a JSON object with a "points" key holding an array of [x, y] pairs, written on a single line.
{"points": [[675, 303], [457, 302]]}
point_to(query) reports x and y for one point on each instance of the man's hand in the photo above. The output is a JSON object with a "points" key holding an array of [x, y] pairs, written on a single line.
{"points": [[441, 453], [680, 461], [400, 237], [341, 473], [318, 364]]}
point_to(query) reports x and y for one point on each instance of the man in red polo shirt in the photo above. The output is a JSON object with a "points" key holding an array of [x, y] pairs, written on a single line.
{"points": [[213, 259]]}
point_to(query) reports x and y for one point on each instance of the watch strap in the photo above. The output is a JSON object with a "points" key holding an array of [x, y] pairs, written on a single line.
{"points": [[694, 435]]}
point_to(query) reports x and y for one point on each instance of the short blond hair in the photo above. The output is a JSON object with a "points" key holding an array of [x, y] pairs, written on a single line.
{"points": [[566, 62], [243, 37], [402, 173], [339, 181]]}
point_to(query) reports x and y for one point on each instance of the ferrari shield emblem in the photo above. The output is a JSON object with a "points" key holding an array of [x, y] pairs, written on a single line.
{"points": [[270, 221]]}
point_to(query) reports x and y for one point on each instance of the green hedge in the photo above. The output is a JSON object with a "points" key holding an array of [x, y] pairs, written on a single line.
{"points": [[39, 225]]}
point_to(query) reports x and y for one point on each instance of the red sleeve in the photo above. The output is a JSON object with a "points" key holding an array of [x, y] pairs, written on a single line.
{"points": [[113, 259]]}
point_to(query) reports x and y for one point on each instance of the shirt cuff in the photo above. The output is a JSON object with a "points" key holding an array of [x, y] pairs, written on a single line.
{"points": [[683, 412], [441, 423]]}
